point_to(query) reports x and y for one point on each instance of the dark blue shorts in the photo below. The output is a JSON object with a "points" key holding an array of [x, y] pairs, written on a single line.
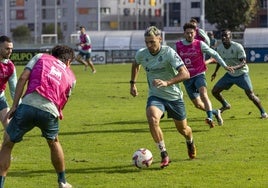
{"points": [[175, 109], [227, 81], [86, 55], [193, 84], [26, 118]]}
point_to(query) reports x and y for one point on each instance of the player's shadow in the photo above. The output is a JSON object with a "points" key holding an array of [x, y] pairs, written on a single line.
{"points": [[85, 170]]}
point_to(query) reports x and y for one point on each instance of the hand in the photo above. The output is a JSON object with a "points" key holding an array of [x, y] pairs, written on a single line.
{"points": [[159, 83], [10, 113], [230, 69], [213, 76], [210, 61], [133, 90]]}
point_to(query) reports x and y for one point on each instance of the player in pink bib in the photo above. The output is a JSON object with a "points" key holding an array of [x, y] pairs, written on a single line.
{"points": [[49, 81], [192, 53], [7, 75]]}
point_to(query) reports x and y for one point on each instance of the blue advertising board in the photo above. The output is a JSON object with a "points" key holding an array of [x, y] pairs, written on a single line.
{"points": [[257, 55]]}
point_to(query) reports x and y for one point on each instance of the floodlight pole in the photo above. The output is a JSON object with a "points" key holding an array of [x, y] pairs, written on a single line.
{"points": [[35, 22], [99, 19], [137, 15], [5, 19], [202, 14], [56, 22]]}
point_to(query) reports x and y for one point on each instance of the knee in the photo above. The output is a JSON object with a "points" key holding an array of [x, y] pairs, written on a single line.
{"points": [[214, 92], [252, 97], [153, 121], [52, 143], [198, 106]]}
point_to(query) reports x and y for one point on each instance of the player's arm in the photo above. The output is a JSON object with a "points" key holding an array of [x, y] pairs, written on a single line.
{"points": [[213, 76], [12, 82], [183, 74], [134, 75], [241, 65], [19, 90], [206, 49]]}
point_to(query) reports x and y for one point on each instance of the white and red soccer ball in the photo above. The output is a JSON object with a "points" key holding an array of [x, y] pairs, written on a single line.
{"points": [[142, 158]]}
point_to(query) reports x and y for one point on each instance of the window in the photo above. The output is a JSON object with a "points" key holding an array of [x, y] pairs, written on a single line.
{"points": [[106, 11], [48, 13], [195, 4], [263, 21], [174, 14], [12, 3], [263, 3]]}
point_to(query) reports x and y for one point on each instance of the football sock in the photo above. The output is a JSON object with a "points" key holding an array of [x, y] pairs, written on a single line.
{"points": [[262, 111], [161, 146], [61, 177], [214, 112], [225, 103], [2, 180], [209, 114]]}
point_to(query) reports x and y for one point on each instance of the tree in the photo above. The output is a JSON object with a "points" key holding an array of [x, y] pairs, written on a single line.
{"points": [[232, 14], [50, 29], [21, 34]]}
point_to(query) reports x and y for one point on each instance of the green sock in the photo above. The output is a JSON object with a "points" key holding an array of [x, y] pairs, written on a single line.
{"points": [[61, 177], [2, 181], [209, 114]]}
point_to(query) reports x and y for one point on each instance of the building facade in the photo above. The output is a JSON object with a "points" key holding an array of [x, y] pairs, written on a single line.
{"points": [[104, 15], [68, 15]]}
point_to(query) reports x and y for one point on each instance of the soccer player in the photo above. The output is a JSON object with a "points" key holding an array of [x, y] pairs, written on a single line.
{"points": [[7, 75], [192, 52], [49, 81], [235, 56], [84, 55], [200, 33], [164, 69]]}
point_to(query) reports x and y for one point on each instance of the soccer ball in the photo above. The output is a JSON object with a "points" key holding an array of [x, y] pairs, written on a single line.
{"points": [[142, 158]]}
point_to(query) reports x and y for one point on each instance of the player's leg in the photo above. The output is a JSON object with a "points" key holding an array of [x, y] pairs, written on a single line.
{"points": [[154, 112], [89, 62], [176, 110], [79, 58], [5, 154], [5, 158], [193, 94], [3, 118], [3, 111], [251, 95], [186, 131], [223, 83], [57, 159], [245, 83], [153, 117]]}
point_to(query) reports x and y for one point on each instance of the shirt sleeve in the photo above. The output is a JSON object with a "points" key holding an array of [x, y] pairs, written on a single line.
{"points": [[207, 50], [204, 35], [12, 82], [88, 40], [33, 61]]}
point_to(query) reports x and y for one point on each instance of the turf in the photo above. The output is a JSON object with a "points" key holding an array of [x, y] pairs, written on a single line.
{"points": [[103, 126]]}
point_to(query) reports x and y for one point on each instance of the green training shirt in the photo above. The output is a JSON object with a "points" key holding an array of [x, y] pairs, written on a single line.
{"points": [[232, 55], [162, 66]]}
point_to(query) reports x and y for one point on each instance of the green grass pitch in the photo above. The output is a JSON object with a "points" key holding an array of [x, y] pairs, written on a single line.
{"points": [[103, 125]]}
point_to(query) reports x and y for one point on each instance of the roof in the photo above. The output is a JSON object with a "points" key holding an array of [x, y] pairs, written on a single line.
{"points": [[117, 40], [256, 38]]}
